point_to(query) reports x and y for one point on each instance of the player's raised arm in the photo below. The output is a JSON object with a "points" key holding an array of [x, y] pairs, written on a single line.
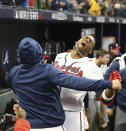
{"points": [[79, 83]]}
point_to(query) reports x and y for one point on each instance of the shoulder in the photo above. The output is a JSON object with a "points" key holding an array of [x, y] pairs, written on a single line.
{"points": [[14, 69], [11, 73], [62, 54], [91, 70], [114, 65]]}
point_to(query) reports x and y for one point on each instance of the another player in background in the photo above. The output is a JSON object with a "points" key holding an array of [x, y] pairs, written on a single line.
{"points": [[113, 51], [118, 64], [102, 58]]}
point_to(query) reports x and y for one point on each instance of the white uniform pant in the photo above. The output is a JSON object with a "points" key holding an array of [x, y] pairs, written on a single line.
{"points": [[105, 115], [59, 128], [75, 121], [94, 107]]}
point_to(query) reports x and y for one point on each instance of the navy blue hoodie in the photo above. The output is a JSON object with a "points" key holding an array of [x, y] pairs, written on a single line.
{"points": [[35, 86], [120, 98]]}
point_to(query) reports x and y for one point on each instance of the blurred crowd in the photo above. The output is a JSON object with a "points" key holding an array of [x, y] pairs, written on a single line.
{"points": [[90, 7]]}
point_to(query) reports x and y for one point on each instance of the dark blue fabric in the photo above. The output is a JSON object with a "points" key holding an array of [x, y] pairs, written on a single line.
{"points": [[30, 51], [36, 90], [114, 66], [121, 97]]}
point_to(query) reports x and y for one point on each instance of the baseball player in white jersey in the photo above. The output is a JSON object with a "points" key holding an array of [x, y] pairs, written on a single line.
{"points": [[77, 63], [102, 57]]}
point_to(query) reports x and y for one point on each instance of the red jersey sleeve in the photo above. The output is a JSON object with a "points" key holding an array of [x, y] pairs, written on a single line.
{"points": [[22, 125]]}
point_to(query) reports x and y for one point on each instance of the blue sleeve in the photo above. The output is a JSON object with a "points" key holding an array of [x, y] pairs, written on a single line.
{"points": [[114, 66], [78, 83]]}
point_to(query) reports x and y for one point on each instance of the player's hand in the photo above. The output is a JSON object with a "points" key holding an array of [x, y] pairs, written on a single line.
{"points": [[116, 85], [19, 112], [109, 111]]}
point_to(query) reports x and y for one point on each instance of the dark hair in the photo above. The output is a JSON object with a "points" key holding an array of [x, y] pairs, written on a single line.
{"points": [[101, 52]]}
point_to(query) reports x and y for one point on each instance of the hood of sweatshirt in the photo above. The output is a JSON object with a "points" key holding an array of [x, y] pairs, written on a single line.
{"points": [[30, 51]]}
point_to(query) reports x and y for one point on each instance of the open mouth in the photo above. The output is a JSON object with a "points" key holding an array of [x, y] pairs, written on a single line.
{"points": [[83, 44]]}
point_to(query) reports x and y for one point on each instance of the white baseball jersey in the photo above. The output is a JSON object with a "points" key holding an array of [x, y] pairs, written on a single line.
{"points": [[103, 68], [99, 74], [72, 100]]}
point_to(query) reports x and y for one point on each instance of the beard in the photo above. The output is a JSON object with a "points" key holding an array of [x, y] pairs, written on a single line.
{"points": [[80, 51]]}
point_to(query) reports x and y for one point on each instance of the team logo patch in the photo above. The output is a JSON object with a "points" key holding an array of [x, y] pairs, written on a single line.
{"points": [[5, 59]]}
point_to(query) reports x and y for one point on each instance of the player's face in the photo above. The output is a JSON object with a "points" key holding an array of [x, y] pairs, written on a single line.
{"points": [[114, 52], [85, 44], [105, 59]]}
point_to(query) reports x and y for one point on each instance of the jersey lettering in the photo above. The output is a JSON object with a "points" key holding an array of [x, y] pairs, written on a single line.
{"points": [[69, 69]]}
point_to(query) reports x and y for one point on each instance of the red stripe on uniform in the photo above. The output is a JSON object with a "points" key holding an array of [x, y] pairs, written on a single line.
{"points": [[80, 121], [66, 59]]}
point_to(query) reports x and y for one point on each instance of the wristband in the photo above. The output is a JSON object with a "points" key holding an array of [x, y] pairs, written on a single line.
{"points": [[106, 98]]}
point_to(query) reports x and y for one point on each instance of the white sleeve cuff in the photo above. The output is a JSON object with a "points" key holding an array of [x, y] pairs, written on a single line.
{"points": [[106, 98]]}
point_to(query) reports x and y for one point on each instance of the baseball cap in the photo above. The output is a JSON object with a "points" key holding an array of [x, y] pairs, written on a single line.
{"points": [[46, 57], [114, 46]]}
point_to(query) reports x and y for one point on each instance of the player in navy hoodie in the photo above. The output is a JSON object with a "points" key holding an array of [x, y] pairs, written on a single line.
{"points": [[37, 87]]}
